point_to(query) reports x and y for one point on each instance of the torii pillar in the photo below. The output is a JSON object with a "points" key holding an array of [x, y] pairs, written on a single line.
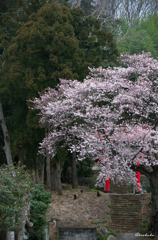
{"points": [[138, 181], [107, 186]]}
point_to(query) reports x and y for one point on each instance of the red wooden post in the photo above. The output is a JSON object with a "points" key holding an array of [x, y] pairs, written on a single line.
{"points": [[107, 185], [138, 181], [107, 182]]}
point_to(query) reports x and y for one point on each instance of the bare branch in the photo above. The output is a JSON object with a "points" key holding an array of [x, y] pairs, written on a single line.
{"points": [[124, 37], [1, 59]]}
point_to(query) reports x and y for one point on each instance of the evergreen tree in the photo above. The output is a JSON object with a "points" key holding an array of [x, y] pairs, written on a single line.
{"points": [[54, 43], [87, 6], [142, 35], [45, 49]]}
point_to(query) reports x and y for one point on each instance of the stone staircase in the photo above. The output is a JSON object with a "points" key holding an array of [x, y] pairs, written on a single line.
{"points": [[125, 212]]}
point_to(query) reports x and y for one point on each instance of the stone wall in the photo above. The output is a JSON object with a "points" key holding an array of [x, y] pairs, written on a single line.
{"points": [[76, 233]]}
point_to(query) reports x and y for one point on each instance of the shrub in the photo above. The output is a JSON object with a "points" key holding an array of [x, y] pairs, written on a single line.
{"points": [[39, 206]]}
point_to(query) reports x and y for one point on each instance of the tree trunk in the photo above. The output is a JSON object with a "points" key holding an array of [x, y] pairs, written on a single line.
{"points": [[59, 188], [23, 218], [33, 175], [43, 164], [37, 176], [152, 175], [48, 171], [10, 235], [54, 185], [74, 172], [6, 137], [154, 197]]}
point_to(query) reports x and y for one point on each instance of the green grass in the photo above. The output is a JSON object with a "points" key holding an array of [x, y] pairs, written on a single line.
{"points": [[142, 231], [144, 224], [108, 227], [94, 223], [95, 190], [100, 237], [112, 233], [105, 221]]}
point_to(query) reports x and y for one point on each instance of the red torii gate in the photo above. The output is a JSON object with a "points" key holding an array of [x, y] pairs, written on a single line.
{"points": [[107, 182]]}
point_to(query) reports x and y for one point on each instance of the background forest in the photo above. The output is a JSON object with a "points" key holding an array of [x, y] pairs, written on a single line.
{"points": [[42, 41]]}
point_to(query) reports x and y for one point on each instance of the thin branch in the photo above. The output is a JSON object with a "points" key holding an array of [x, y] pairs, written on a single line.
{"points": [[100, 13], [1, 59], [2, 65], [124, 37]]}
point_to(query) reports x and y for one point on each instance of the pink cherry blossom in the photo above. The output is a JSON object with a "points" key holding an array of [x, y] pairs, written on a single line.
{"points": [[114, 110]]}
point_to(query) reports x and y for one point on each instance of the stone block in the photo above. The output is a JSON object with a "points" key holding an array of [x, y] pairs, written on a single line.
{"points": [[104, 231], [111, 237], [76, 233]]}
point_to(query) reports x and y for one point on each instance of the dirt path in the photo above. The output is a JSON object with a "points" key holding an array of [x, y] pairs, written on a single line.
{"points": [[87, 210]]}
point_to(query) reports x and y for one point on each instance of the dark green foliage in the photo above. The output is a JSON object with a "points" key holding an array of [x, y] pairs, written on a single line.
{"points": [[142, 35], [39, 206], [98, 45], [87, 6], [12, 14], [23, 75], [14, 182], [2, 154], [86, 173], [54, 42], [145, 184], [84, 168], [61, 155]]}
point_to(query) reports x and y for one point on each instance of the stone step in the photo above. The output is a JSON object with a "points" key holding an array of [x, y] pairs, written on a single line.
{"points": [[125, 201], [125, 210], [122, 206], [125, 204], [125, 217], [125, 225], [125, 220]]}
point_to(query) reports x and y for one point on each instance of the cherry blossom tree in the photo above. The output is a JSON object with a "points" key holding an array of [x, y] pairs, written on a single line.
{"points": [[64, 127], [111, 115]]}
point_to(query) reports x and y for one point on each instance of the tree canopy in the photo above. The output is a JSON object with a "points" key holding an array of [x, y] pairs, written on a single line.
{"points": [[65, 44], [141, 35], [113, 113]]}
